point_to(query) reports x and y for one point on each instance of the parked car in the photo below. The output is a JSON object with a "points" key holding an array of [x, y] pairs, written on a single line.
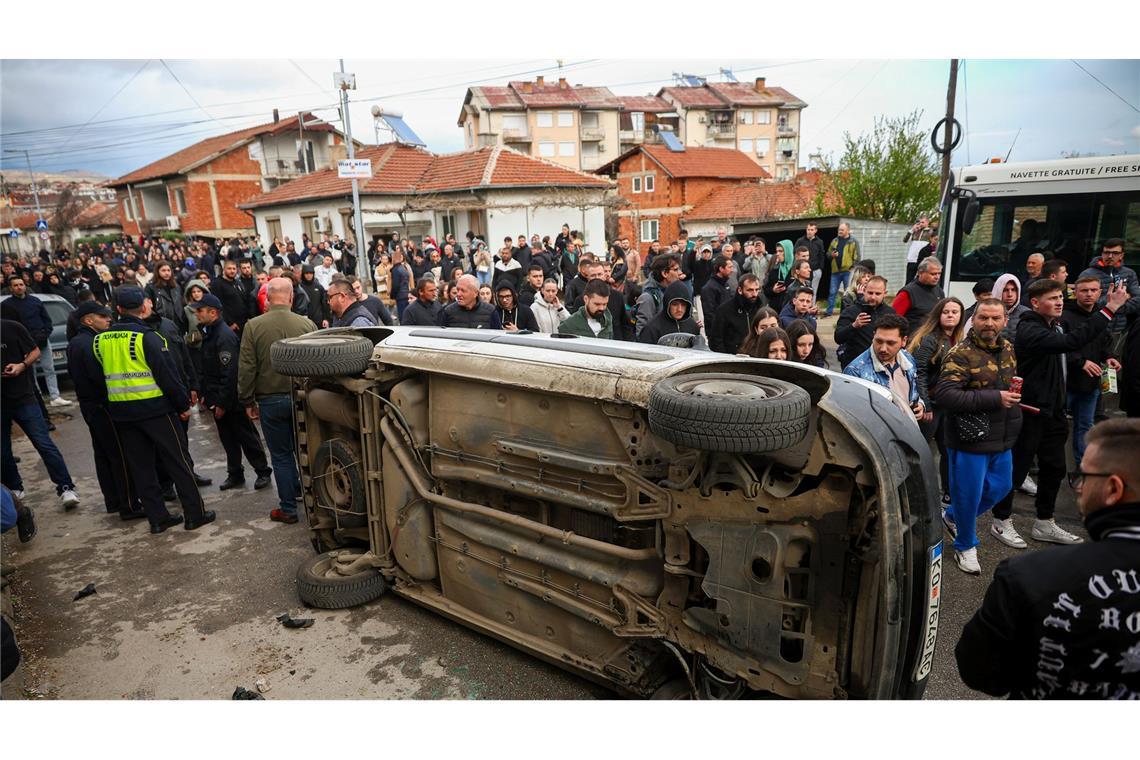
{"points": [[672, 523], [58, 308]]}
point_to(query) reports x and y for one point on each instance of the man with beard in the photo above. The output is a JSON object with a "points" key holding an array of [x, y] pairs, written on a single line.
{"points": [[512, 315], [593, 319], [166, 295], [717, 290], [730, 325], [674, 317], [854, 330], [318, 311], [230, 291]]}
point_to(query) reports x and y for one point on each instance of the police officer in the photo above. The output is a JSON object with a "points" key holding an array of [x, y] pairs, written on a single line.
{"points": [[147, 400], [219, 390], [93, 318]]}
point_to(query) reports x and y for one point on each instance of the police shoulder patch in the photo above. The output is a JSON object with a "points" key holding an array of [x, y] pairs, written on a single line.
{"points": [[225, 357]]}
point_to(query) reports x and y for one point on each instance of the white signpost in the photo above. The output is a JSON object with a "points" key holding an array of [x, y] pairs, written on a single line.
{"points": [[354, 168]]}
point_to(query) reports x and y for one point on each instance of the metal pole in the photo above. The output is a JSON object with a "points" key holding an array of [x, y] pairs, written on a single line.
{"points": [[35, 190], [362, 262], [949, 135]]}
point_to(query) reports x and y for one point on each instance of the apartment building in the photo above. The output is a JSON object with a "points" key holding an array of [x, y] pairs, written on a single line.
{"points": [[197, 189], [570, 125], [761, 121]]}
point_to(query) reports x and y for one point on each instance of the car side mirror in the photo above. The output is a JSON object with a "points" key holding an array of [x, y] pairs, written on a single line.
{"points": [[970, 216]]}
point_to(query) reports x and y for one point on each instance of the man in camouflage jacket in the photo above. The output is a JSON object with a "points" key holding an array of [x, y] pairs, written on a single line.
{"points": [[984, 420]]}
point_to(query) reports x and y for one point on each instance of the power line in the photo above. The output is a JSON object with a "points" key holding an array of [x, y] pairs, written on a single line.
{"points": [[1105, 86], [305, 74], [184, 89], [125, 85], [849, 102]]}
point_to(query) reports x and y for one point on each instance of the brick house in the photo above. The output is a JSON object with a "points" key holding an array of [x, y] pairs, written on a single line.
{"points": [[197, 190], [660, 187]]}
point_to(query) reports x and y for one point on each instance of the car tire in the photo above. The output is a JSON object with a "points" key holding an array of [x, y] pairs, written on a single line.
{"points": [[321, 355], [734, 414], [338, 482], [319, 586]]}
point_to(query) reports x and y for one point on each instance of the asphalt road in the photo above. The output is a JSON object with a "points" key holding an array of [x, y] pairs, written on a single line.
{"points": [[191, 615]]}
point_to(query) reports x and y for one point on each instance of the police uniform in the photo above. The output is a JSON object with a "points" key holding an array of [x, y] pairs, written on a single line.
{"points": [[219, 389], [110, 466], [145, 395]]}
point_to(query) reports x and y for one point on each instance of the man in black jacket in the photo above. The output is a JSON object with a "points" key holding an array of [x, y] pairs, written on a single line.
{"points": [[1061, 623], [675, 316], [717, 290], [231, 292], [318, 311], [1084, 365], [855, 328], [574, 289], [730, 326], [424, 311], [530, 289], [1041, 345], [219, 391], [513, 316], [816, 250], [468, 310]]}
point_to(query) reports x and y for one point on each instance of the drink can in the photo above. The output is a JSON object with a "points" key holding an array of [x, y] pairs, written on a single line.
{"points": [[1015, 385]]}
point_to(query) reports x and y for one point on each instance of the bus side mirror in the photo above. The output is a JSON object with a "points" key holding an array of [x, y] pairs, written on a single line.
{"points": [[970, 216]]}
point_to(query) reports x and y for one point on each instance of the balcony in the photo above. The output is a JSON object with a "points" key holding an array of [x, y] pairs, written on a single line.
{"points": [[590, 163], [784, 129], [488, 139], [785, 157], [722, 131], [516, 136], [592, 134]]}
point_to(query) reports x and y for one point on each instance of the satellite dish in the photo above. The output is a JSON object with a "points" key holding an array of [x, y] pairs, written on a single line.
{"points": [[377, 110]]}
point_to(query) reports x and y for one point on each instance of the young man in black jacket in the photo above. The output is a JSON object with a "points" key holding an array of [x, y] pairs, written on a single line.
{"points": [[1041, 345], [855, 328], [716, 290], [730, 327], [1061, 623], [1084, 365]]}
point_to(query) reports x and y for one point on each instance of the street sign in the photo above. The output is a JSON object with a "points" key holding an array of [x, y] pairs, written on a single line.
{"points": [[41, 225], [354, 168], [13, 233], [344, 81], [44, 235]]}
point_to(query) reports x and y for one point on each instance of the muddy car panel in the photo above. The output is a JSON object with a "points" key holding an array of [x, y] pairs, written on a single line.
{"points": [[511, 482]]}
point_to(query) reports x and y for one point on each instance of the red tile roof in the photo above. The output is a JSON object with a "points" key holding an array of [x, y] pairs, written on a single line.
{"points": [[404, 170], [703, 162], [693, 97], [741, 94], [94, 215], [756, 202], [182, 160], [644, 103], [552, 94], [499, 97]]}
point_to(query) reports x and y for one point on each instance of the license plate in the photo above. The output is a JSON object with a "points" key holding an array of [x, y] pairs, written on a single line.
{"points": [[930, 626]]}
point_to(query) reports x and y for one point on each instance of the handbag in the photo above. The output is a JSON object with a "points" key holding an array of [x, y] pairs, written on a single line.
{"points": [[972, 426]]}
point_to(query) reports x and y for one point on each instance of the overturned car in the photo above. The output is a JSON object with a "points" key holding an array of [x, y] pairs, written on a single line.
{"points": [[672, 523]]}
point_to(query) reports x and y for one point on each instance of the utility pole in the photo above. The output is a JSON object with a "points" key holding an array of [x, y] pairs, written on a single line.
{"points": [[35, 192], [362, 262], [949, 135]]}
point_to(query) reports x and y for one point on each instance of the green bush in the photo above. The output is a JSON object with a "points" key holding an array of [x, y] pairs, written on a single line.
{"points": [[173, 236]]}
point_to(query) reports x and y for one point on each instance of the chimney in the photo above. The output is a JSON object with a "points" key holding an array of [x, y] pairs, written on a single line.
{"points": [[527, 87], [562, 83], [760, 84], [540, 81], [276, 116]]}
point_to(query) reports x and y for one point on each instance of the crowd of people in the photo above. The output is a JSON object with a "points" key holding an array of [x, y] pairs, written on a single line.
{"points": [[164, 327]]}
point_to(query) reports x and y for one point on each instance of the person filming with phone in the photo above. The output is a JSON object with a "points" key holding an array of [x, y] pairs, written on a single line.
{"points": [[853, 330]]}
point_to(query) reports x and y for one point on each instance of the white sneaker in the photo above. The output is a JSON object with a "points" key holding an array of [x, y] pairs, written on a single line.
{"points": [[69, 499], [1048, 530], [19, 494], [1028, 486], [1004, 531], [968, 561], [59, 401]]}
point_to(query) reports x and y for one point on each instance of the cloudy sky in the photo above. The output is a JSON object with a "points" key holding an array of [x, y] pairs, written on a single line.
{"points": [[112, 116]]}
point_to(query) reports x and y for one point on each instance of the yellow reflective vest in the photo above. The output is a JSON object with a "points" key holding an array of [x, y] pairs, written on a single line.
{"points": [[128, 376]]}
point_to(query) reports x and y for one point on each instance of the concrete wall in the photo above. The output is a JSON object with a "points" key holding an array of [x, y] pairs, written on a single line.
{"points": [[518, 217]]}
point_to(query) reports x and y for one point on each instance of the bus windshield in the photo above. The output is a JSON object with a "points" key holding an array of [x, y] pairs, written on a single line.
{"points": [[1070, 227]]}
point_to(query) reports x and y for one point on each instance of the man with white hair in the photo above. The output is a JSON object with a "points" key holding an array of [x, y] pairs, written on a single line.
{"points": [[265, 394]]}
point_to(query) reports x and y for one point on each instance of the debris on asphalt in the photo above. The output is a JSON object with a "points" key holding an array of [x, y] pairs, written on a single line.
{"points": [[243, 693], [290, 622], [262, 685], [88, 590]]}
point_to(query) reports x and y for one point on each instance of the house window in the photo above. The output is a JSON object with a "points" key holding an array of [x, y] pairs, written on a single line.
{"points": [[746, 146], [544, 119], [649, 183], [763, 117], [273, 228], [638, 120], [348, 224], [309, 225], [648, 230], [589, 119], [306, 162], [470, 135], [180, 201], [763, 145], [516, 121], [447, 222], [637, 184], [785, 173], [567, 148], [565, 118], [787, 147], [546, 149], [746, 118]]}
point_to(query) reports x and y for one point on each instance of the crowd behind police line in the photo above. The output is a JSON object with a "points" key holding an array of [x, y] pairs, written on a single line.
{"points": [[959, 382]]}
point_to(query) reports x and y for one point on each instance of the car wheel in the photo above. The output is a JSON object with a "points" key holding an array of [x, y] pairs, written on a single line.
{"points": [[319, 584], [319, 355], [736, 414], [338, 483]]}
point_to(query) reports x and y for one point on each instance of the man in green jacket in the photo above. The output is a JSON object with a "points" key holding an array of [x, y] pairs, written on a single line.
{"points": [[593, 320], [844, 253], [265, 394]]}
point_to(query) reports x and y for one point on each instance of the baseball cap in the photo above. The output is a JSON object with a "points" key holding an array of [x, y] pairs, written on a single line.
{"points": [[91, 307], [706, 247], [208, 301], [128, 297]]}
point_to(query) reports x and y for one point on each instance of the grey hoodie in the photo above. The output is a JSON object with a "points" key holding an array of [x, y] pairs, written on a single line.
{"points": [[1013, 315]]}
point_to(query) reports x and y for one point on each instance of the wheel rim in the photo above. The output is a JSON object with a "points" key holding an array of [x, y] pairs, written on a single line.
{"points": [[720, 388], [335, 483]]}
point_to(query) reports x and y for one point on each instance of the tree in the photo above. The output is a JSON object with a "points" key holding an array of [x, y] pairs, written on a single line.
{"points": [[68, 209], [890, 175]]}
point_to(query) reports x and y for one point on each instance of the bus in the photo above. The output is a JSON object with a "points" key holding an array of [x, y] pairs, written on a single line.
{"points": [[995, 215]]}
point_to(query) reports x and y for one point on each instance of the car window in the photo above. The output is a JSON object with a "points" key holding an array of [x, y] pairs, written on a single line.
{"points": [[57, 311]]}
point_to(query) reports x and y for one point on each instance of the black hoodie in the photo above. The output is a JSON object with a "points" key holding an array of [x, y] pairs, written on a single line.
{"points": [[664, 324], [318, 310], [520, 316]]}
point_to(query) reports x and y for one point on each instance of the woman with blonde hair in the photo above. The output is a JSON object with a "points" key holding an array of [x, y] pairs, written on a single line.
{"points": [[942, 329]]}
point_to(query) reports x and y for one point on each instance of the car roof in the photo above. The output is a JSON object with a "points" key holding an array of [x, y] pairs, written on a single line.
{"points": [[45, 297]]}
